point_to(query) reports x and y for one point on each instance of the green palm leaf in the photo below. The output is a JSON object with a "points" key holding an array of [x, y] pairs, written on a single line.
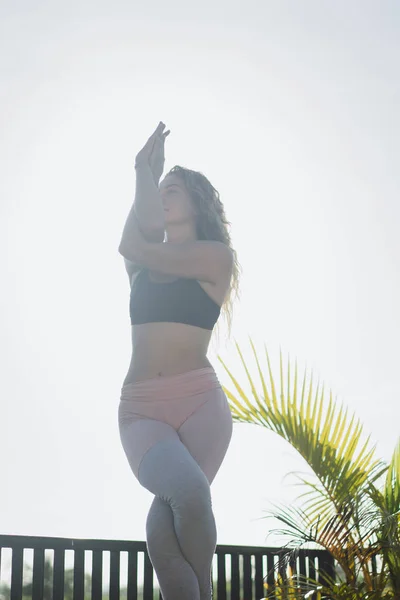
{"points": [[344, 508]]}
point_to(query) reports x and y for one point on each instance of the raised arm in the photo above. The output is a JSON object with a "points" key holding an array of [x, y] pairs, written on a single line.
{"points": [[147, 205]]}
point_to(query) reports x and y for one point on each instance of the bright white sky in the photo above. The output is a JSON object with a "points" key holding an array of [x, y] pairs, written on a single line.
{"points": [[291, 110]]}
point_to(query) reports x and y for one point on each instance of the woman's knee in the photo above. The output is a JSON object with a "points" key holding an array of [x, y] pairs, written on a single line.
{"points": [[193, 498], [170, 472]]}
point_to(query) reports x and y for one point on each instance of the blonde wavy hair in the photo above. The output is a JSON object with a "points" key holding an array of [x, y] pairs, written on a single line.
{"points": [[212, 224]]}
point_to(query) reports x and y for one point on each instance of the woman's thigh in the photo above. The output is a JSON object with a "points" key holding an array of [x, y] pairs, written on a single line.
{"points": [[169, 471], [140, 435], [207, 433]]}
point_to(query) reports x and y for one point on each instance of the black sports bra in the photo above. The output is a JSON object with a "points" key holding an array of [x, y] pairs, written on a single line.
{"points": [[180, 301]]}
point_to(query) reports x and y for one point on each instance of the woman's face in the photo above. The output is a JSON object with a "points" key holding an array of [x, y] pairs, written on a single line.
{"points": [[176, 201]]}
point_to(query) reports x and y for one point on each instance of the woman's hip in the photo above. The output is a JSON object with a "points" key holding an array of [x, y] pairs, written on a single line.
{"points": [[172, 399], [202, 422]]}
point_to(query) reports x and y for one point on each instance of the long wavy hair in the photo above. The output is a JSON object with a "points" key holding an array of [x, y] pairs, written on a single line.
{"points": [[212, 224]]}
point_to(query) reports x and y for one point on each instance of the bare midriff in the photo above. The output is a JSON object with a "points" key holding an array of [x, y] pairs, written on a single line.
{"points": [[163, 349]]}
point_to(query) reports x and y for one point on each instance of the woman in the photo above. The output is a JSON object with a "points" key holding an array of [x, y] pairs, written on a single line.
{"points": [[174, 419]]}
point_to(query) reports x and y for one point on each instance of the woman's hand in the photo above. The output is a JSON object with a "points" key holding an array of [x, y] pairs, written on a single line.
{"points": [[144, 155], [157, 157]]}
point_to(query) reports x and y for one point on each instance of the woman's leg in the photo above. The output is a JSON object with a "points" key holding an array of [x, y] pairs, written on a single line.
{"points": [[206, 434], [170, 472], [175, 575], [182, 562]]}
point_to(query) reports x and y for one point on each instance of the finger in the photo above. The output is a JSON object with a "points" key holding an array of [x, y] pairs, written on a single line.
{"points": [[160, 139], [163, 136], [159, 128], [156, 132], [153, 140]]}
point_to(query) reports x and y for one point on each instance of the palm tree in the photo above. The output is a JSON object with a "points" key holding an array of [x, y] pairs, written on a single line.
{"points": [[345, 513]]}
